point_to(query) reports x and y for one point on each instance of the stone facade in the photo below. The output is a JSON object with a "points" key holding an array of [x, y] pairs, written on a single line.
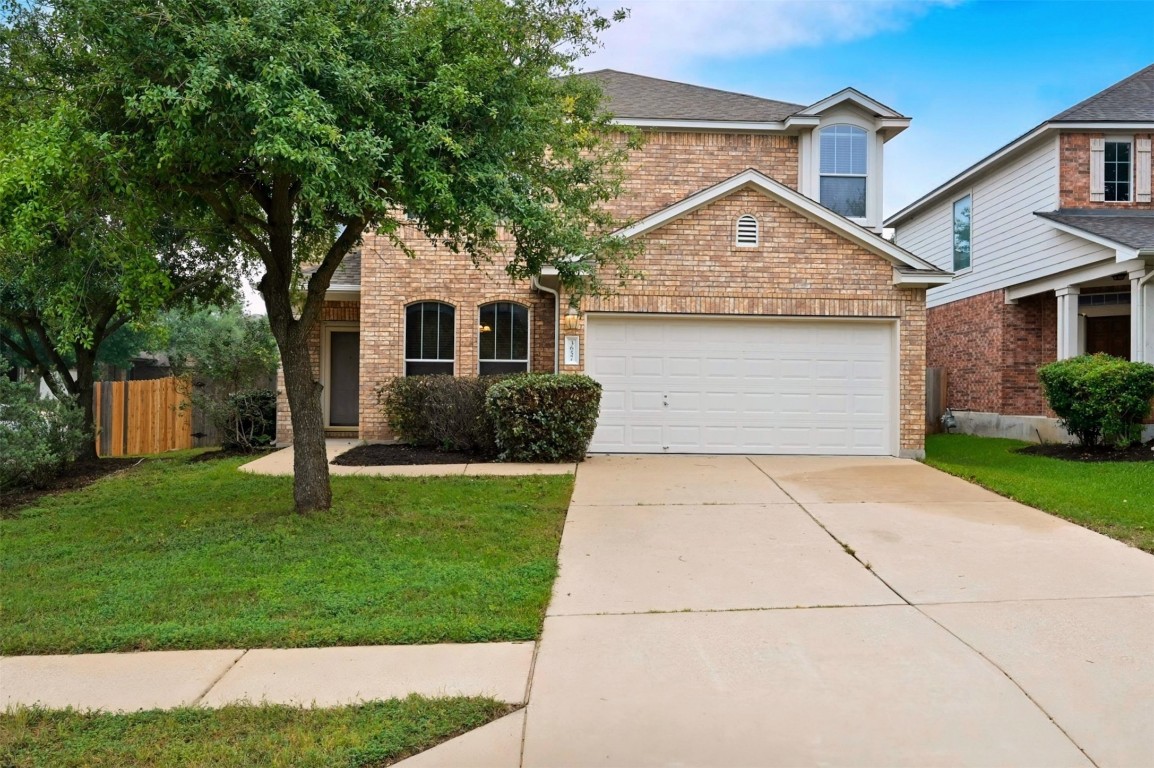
{"points": [[1074, 173], [690, 265], [991, 351]]}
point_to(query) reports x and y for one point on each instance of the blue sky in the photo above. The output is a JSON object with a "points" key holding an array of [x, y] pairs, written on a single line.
{"points": [[972, 75]]}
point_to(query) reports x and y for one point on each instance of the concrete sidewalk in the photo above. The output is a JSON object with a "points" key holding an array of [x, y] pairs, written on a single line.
{"points": [[783, 611], [322, 677], [281, 463]]}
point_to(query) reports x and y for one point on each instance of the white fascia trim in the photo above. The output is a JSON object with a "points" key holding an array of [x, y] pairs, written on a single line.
{"points": [[548, 272], [1122, 252], [339, 292], [857, 97], [920, 281], [788, 197], [802, 121], [966, 175], [736, 126], [1067, 279]]}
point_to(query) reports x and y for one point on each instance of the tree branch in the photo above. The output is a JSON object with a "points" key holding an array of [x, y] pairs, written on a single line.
{"points": [[320, 279]]}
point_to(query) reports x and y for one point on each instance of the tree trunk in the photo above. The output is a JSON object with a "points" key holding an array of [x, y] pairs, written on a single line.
{"points": [[85, 392], [311, 488]]}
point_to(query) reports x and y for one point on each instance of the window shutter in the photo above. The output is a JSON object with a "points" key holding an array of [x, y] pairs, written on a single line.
{"points": [[1097, 170], [1142, 171]]}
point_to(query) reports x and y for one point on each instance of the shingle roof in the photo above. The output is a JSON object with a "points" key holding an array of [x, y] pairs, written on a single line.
{"points": [[641, 97], [347, 273], [1129, 100], [1131, 228]]}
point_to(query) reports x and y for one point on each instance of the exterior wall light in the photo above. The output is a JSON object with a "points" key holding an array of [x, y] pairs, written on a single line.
{"points": [[572, 320]]}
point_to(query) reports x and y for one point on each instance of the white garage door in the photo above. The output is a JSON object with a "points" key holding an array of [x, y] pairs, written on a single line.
{"points": [[728, 385]]}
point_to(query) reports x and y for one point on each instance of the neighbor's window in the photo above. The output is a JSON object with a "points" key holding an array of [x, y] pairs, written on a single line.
{"points": [[429, 338], [1117, 171], [962, 234], [843, 170], [504, 338]]}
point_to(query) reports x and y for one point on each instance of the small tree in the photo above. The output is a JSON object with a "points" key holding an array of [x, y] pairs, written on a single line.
{"points": [[1099, 398], [226, 359]]}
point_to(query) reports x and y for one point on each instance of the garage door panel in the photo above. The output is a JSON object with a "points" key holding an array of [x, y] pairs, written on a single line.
{"points": [[742, 385]]}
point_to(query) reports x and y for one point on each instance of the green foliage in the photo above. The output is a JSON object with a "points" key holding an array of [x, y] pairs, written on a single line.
{"points": [[228, 360], [175, 554], [443, 412], [1099, 398], [365, 735], [544, 417], [38, 436], [1112, 498]]}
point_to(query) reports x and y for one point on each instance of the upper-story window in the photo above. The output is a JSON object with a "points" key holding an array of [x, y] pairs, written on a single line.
{"points": [[1117, 170], [429, 337], [843, 170], [962, 233]]}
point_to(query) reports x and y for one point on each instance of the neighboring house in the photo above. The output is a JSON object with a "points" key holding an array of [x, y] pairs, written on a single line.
{"points": [[772, 316], [1052, 241]]}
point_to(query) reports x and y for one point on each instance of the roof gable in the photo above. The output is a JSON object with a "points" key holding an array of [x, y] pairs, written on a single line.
{"points": [[912, 269]]}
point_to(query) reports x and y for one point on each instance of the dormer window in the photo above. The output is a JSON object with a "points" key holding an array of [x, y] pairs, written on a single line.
{"points": [[843, 170], [747, 230]]}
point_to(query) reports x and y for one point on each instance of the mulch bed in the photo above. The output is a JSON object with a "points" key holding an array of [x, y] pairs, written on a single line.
{"points": [[399, 454], [1140, 452], [73, 477]]}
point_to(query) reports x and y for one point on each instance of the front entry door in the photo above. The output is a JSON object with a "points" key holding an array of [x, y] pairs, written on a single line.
{"points": [[344, 378]]}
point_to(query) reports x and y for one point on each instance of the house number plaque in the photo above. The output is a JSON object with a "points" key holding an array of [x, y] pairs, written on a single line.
{"points": [[572, 350]]}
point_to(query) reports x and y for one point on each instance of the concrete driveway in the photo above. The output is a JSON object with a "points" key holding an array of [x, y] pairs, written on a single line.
{"points": [[786, 611]]}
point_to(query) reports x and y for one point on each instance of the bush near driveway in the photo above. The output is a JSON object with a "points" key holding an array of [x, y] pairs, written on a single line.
{"points": [[177, 554], [1113, 498], [1099, 398], [442, 412], [544, 417]]}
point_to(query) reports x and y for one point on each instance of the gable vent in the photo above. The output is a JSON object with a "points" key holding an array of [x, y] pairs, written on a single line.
{"points": [[747, 230]]}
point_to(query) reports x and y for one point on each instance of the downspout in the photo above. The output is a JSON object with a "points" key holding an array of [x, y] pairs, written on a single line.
{"points": [[533, 281]]}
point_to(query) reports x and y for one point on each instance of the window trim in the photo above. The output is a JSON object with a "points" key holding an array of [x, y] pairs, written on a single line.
{"points": [[1120, 139], [405, 339], [867, 135], [953, 237], [528, 334]]}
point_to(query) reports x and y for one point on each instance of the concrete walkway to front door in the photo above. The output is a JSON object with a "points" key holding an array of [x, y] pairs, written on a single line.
{"points": [[790, 611]]}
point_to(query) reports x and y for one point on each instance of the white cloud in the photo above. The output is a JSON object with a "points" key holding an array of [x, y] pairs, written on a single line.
{"points": [[669, 37]]}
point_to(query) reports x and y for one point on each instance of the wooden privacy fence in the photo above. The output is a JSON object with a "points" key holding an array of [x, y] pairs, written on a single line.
{"points": [[935, 399], [134, 417]]}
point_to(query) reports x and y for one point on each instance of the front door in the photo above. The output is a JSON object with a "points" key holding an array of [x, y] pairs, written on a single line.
{"points": [[344, 378]]}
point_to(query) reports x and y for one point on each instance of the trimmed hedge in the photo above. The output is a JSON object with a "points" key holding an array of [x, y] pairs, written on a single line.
{"points": [[1099, 398], [544, 417], [442, 412]]}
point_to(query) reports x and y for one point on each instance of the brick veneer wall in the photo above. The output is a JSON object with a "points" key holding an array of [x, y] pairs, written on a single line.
{"points": [[991, 351], [1074, 173], [799, 269], [333, 311]]}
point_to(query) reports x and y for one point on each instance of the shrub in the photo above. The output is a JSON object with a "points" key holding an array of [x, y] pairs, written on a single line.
{"points": [[246, 420], [544, 417], [443, 412], [1099, 398], [38, 436]]}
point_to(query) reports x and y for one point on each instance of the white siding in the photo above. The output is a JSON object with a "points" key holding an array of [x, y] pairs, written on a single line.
{"points": [[1009, 244]]}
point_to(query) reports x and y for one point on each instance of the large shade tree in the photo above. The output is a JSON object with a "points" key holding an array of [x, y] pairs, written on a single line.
{"points": [[83, 260], [302, 124]]}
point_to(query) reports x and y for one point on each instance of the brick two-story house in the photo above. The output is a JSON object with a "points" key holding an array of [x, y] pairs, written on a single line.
{"points": [[1052, 242], [771, 316]]}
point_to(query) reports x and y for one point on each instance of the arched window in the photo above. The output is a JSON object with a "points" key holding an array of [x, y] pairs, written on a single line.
{"points": [[747, 230], [503, 345], [843, 170], [429, 338]]}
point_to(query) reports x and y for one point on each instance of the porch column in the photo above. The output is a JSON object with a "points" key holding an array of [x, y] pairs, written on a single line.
{"points": [[1141, 317], [1068, 326]]}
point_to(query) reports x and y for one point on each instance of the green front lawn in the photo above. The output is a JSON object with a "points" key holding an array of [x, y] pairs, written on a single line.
{"points": [[373, 734], [1114, 498], [183, 554]]}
